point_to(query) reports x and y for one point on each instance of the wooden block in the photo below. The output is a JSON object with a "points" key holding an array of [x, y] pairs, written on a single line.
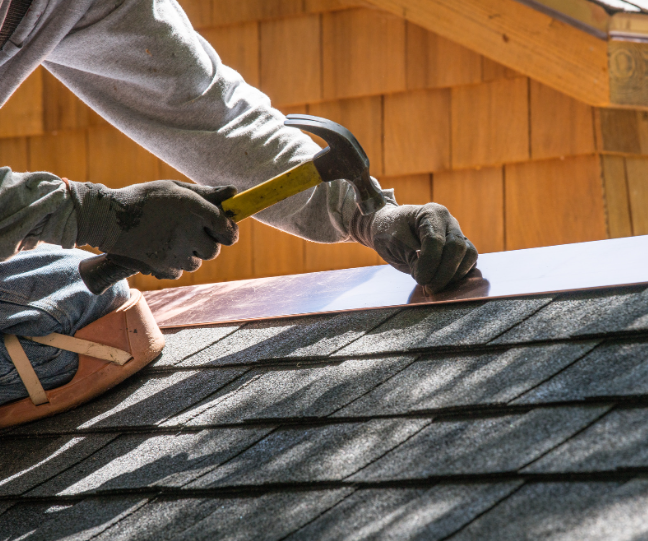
{"points": [[490, 123], [417, 132], [475, 197], [238, 48], [363, 53], [275, 253], [361, 116], [560, 125], [621, 131], [108, 147], [14, 154], [554, 202], [435, 62], [63, 110], [199, 12], [410, 190], [344, 255], [637, 171], [23, 113], [229, 12], [290, 60], [63, 154], [617, 201], [491, 71]]}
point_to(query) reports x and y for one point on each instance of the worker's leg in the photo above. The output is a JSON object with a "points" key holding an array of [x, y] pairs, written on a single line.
{"points": [[41, 292]]}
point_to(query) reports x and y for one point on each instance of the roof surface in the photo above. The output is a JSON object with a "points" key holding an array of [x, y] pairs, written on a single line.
{"points": [[508, 419]]}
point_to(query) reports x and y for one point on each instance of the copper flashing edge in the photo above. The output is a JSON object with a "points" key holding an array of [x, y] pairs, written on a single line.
{"points": [[569, 267]]}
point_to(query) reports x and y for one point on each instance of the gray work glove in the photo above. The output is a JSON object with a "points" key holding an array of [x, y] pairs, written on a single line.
{"points": [[162, 227], [424, 241]]}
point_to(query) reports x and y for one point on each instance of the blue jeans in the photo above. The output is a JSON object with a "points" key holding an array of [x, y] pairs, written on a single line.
{"points": [[41, 292]]}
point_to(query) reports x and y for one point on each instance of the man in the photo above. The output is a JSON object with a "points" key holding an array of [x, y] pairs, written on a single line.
{"points": [[141, 66]]}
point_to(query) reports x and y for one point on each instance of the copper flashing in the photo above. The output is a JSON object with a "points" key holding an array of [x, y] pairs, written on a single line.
{"points": [[587, 265]]}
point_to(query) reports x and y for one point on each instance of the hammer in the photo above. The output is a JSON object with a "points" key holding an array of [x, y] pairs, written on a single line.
{"points": [[343, 158]]}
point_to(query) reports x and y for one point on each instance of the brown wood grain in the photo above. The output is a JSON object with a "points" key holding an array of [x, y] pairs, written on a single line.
{"points": [[62, 109], [361, 116], [475, 197], [417, 132], [617, 200], [200, 12], [560, 125], [409, 189], [228, 12], [23, 113], [275, 252], [14, 154], [435, 62], [64, 154], [491, 71], [290, 60], [363, 53], [622, 131], [490, 123], [554, 202], [637, 171], [238, 48], [345, 255]]}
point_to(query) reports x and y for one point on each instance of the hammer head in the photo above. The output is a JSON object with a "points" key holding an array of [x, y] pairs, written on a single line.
{"points": [[343, 158]]}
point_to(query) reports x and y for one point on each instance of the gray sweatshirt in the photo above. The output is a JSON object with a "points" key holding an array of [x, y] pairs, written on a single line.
{"points": [[140, 65]]}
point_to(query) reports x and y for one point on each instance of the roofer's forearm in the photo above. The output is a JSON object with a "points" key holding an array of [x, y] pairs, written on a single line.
{"points": [[36, 207]]}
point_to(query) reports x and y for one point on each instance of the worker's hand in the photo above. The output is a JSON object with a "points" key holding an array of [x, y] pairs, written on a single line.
{"points": [[164, 227], [424, 241]]}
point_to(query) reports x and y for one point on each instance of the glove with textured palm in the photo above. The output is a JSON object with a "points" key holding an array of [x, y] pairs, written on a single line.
{"points": [[424, 241], [160, 228]]}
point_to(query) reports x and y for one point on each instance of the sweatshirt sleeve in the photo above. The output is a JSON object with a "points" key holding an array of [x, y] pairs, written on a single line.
{"points": [[143, 68], [34, 208]]}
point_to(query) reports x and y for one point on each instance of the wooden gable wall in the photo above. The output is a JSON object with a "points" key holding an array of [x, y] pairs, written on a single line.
{"points": [[519, 164]]}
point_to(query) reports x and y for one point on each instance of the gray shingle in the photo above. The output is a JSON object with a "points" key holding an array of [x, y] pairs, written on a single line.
{"points": [[610, 370], [397, 514], [315, 454], [445, 325], [144, 400], [480, 446], [573, 313], [314, 336], [181, 343], [618, 440], [138, 461], [452, 381], [305, 392], [567, 511], [631, 315], [27, 463]]}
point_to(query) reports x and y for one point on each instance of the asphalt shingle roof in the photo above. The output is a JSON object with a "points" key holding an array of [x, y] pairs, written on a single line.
{"points": [[516, 419]]}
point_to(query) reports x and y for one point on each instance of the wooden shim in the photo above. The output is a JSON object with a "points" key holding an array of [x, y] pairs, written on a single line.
{"points": [[520, 37], [476, 198], [617, 202], [637, 171], [619, 131]]}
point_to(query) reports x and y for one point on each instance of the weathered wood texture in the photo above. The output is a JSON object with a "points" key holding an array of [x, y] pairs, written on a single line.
{"points": [[518, 163]]}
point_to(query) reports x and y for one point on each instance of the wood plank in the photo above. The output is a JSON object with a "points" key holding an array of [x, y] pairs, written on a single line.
{"points": [[560, 125], [14, 154], [321, 6], [199, 12], [63, 154], [522, 38], [622, 131], [617, 201], [476, 198], [490, 123], [410, 189], [554, 202], [275, 253], [62, 109], [23, 113], [435, 62], [584, 12], [228, 12], [491, 71], [417, 132], [363, 53], [290, 60], [344, 255], [106, 147], [238, 48], [363, 117], [637, 171]]}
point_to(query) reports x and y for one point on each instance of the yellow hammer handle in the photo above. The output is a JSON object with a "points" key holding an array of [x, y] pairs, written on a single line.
{"points": [[245, 204]]}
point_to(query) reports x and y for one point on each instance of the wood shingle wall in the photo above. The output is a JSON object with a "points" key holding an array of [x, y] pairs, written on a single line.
{"points": [[519, 164]]}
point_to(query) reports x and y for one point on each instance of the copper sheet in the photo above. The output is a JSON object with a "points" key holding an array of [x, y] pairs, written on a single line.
{"points": [[503, 274]]}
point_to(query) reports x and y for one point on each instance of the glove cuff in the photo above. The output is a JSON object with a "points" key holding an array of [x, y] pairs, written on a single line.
{"points": [[360, 228], [95, 209]]}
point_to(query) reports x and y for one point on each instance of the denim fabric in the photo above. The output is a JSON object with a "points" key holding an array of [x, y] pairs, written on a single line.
{"points": [[41, 292]]}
